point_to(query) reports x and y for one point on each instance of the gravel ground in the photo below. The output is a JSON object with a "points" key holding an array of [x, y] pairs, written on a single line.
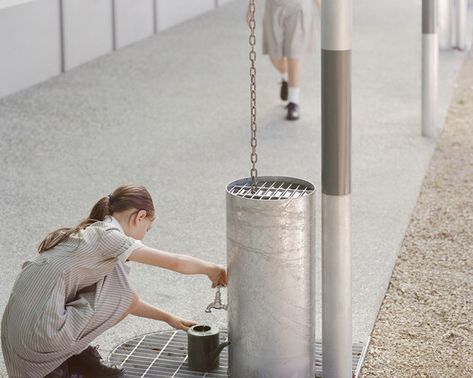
{"points": [[425, 325]]}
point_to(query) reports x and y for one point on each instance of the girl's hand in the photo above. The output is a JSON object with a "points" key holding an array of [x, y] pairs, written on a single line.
{"points": [[218, 276], [179, 323]]}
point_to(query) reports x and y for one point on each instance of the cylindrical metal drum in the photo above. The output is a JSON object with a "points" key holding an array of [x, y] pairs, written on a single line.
{"points": [[271, 268]]}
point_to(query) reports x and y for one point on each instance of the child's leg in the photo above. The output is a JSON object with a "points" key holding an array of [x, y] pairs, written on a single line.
{"points": [[294, 70], [280, 65]]}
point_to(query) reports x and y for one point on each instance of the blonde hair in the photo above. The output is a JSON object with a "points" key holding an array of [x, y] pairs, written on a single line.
{"points": [[123, 198]]}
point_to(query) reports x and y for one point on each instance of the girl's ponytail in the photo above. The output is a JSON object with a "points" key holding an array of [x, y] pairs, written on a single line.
{"points": [[123, 198], [98, 213]]}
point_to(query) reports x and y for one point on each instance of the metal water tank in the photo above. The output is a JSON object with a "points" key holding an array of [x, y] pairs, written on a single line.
{"points": [[271, 268]]}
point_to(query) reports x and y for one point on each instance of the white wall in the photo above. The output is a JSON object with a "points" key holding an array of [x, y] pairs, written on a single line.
{"points": [[170, 13], [30, 44], [39, 38], [88, 31], [134, 20]]}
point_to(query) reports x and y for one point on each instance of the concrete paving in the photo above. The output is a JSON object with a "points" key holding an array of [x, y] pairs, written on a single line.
{"points": [[172, 113]]}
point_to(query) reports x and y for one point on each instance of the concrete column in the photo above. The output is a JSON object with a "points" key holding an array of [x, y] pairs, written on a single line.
{"points": [[336, 188], [429, 67]]}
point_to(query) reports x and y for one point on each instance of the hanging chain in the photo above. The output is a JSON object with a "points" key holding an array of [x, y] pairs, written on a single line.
{"points": [[252, 56]]}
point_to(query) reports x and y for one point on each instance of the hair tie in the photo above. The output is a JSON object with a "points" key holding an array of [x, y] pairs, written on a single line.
{"points": [[109, 198]]}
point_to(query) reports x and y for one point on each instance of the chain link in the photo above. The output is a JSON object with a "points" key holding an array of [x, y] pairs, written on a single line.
{"points": [[252, 56]]}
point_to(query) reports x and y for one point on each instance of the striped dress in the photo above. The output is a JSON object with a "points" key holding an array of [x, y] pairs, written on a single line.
{"points": [[65, 297]]}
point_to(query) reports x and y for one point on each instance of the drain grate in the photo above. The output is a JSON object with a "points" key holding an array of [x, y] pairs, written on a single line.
{"points": [[164, 355], [270, 189]]}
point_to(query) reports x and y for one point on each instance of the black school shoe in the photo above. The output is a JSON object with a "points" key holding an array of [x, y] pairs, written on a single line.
{"points": [[284, 90], [292, 112], [91, 364], [62, 371]]}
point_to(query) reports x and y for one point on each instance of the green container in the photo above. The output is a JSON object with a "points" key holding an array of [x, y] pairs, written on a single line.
{"points": [[204, 347]]}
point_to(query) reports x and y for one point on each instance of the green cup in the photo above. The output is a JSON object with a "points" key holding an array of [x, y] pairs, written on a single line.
{"points": [[204, 347]]}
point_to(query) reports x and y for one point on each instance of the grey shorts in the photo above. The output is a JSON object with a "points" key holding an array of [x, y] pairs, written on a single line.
{"points": [[288, 28]]}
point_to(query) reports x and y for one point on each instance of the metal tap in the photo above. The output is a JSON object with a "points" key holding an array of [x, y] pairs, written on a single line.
{"points": [[217, 303]]}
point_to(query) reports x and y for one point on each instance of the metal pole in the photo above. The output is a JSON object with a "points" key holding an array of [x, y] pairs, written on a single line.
{"points": [[443, 24], [336, 188], [155, 16], [61, 35], [114, 24], [461, 16], [429, 66], [453, 23]]}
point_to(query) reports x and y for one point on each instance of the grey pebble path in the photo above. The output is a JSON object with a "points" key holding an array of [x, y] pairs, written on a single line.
{"points": [[425, 325]]}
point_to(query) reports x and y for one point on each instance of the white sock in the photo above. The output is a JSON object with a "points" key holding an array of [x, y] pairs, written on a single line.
{"points": [[293, 95], [284, 76]]}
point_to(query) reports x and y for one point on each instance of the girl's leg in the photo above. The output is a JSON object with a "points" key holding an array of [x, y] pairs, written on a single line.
{"points": [[280, 65], [294, 79], [294, 70]]}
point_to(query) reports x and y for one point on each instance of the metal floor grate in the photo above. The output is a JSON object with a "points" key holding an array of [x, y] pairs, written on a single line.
{"points": [[270, 190], [164, 354]]}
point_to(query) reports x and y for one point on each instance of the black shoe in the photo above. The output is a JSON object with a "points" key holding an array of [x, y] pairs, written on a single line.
{"points": [[62, 371], [284, 89], [292, 112], [91, 364], [65, 370]]}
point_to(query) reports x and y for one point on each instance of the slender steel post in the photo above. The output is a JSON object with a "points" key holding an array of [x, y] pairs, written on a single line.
{"points": [[61, 35], [336, 188], [443, 24], [461, 16], [453, 23], [429, 67], [114, 24], [155, 16]]}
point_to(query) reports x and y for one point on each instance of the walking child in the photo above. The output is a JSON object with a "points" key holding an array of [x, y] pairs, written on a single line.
{"points": [[288, 33], [77, 288]]}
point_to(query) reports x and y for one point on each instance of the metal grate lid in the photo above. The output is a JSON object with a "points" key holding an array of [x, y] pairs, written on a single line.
{"points": [[271, 188], [164, 355]]}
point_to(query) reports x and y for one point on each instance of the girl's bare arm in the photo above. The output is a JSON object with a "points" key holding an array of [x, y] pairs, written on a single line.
{"points": [[145, 310], [180, 263]]}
